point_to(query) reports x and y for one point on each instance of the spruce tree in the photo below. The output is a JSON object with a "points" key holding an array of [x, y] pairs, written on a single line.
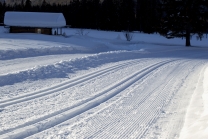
{"points": [[108, 15], [74, 14], [3, 7], [146, 15], [183, 18], [1, 13], [127, 14], [28, 5]]}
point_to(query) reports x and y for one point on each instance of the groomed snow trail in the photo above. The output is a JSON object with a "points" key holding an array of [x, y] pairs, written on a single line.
{"points": [[100, 86], [80, 80], [133, 110], [112, 102]]}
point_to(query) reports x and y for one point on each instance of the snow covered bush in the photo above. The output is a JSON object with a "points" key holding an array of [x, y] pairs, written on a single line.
{"points": [[81, 32], [128, 35]]}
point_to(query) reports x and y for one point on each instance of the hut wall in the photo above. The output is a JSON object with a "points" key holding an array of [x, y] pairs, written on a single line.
{"points": [[47, 31], [44, 31]]}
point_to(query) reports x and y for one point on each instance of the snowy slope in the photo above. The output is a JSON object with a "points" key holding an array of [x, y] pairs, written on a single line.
{"points": [[101, 86]]}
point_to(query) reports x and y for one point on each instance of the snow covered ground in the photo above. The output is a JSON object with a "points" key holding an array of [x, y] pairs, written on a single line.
{"points": [[100, 86]]}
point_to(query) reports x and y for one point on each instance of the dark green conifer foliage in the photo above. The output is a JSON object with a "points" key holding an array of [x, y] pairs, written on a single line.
{"points": [[147, 16], [1, 11], [182, 18], [127, 14], [109, 15], [74, 13], [28, 5]]}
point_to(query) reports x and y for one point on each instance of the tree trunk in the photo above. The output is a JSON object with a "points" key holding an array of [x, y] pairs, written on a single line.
{"points": [[188, 35], [188, 43]]}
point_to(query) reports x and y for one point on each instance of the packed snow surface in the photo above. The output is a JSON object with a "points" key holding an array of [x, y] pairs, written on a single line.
{"points": [[95, 84]]}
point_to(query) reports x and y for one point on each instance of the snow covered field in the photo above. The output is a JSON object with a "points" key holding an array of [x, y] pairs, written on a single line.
{"points": [[101, 86]]}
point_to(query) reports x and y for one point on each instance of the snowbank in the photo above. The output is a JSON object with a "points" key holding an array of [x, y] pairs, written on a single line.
{"points": [[196, 125]]}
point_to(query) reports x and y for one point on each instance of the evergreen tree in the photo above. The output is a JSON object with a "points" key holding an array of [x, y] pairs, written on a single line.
{"points": [[74, 13], [127, 14], [93, 12], [147, 17], [45, 7], [28, 5], [44, 3], [83, 14], [182, 18], [22, 5], [2, 11], [109, 15]]}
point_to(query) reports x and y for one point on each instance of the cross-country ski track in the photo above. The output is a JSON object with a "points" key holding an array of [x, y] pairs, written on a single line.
{"points": [[100, 86], [142, 109]]}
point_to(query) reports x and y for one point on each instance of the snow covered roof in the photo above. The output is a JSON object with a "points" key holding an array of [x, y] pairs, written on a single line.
{"points": [[34, 19]]}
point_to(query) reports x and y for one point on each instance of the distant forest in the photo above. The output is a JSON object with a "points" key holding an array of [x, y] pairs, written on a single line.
{"points": [[171, 18], [115, 15]]}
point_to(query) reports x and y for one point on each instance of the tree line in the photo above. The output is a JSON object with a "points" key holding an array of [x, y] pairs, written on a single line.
{"points": [[171, 18], [115, 15]]}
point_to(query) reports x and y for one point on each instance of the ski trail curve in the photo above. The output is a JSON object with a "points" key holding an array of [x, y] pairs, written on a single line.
{"points": [[61, 116], [62, 86], [146, 108]]}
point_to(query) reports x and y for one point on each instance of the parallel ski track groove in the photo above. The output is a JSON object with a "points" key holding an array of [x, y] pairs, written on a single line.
{"points": [[144, 119], [177, 124], [157, 110], [64, 85], [113, 124], [61, 116]]}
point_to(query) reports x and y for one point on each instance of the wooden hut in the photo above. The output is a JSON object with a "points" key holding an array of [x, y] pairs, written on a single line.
{"points": [[34, 22]]}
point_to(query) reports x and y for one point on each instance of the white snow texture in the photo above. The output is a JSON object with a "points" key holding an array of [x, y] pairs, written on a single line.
{"points": [[97, 85]]}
